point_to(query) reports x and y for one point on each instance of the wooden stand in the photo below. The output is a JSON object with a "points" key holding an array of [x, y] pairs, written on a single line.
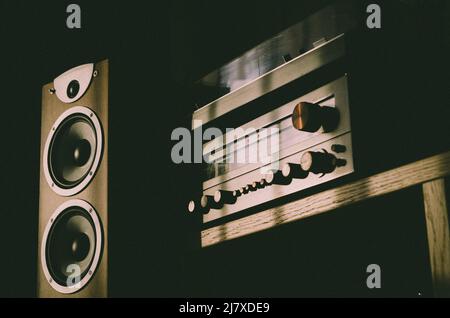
{"points": [[436, 212], [429, 172]]}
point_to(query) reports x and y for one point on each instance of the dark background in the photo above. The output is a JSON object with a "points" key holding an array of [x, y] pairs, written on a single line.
{"points": [[162, 46]]}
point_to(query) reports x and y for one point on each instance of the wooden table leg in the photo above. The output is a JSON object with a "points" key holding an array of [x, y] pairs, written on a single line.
{"points": [[436, 213]]}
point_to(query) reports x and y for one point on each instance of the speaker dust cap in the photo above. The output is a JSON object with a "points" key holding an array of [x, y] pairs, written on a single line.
{"points": [[71, 246], [73, 151]]}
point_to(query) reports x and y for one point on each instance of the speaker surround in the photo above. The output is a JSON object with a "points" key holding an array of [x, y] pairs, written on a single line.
{"points": [[73, 151], [72, 236]]}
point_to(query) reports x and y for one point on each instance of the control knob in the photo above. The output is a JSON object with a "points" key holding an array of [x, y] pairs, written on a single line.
{"points": [[294, 171], [320, 162], [225, 197], [194, 206], [310, 117], [277, 177], [208, 202]]}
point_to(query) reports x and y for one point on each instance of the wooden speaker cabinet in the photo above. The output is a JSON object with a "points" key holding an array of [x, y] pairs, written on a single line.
{"points": [[73, 208]]}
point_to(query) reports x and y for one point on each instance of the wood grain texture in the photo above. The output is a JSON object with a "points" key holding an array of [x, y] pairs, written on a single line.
{"points": [[436, 214], [409, 175], [96, 98]]}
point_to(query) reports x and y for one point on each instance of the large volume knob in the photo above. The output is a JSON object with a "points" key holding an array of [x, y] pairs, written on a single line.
{"points": [[310, 117], [225, 197], [320, 162]]}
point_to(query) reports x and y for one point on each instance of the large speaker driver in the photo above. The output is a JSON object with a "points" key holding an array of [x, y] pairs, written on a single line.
{"points": [[73, 150], [71, 246]]}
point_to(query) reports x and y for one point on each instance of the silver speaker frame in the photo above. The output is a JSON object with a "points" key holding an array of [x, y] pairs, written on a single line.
{"points": [[97, 158]]}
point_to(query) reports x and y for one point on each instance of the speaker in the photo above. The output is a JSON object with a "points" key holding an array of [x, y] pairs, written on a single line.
{"points": [[73, 207]]}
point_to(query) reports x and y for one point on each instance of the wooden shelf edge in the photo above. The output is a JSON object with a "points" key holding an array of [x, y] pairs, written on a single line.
{"points": [[436, 215], [383, 183]]}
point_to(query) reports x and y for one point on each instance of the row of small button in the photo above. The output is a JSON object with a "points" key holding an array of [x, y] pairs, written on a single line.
{"points": [[315, 162]]}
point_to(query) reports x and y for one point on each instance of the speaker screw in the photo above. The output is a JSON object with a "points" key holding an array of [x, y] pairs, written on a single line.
{"points": [[91, 173], [54, 128], [95, 74], [90, 210], [52, 91], [50, 280], [91, 115], [90, 272], [51, 220], [53, 185]]}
